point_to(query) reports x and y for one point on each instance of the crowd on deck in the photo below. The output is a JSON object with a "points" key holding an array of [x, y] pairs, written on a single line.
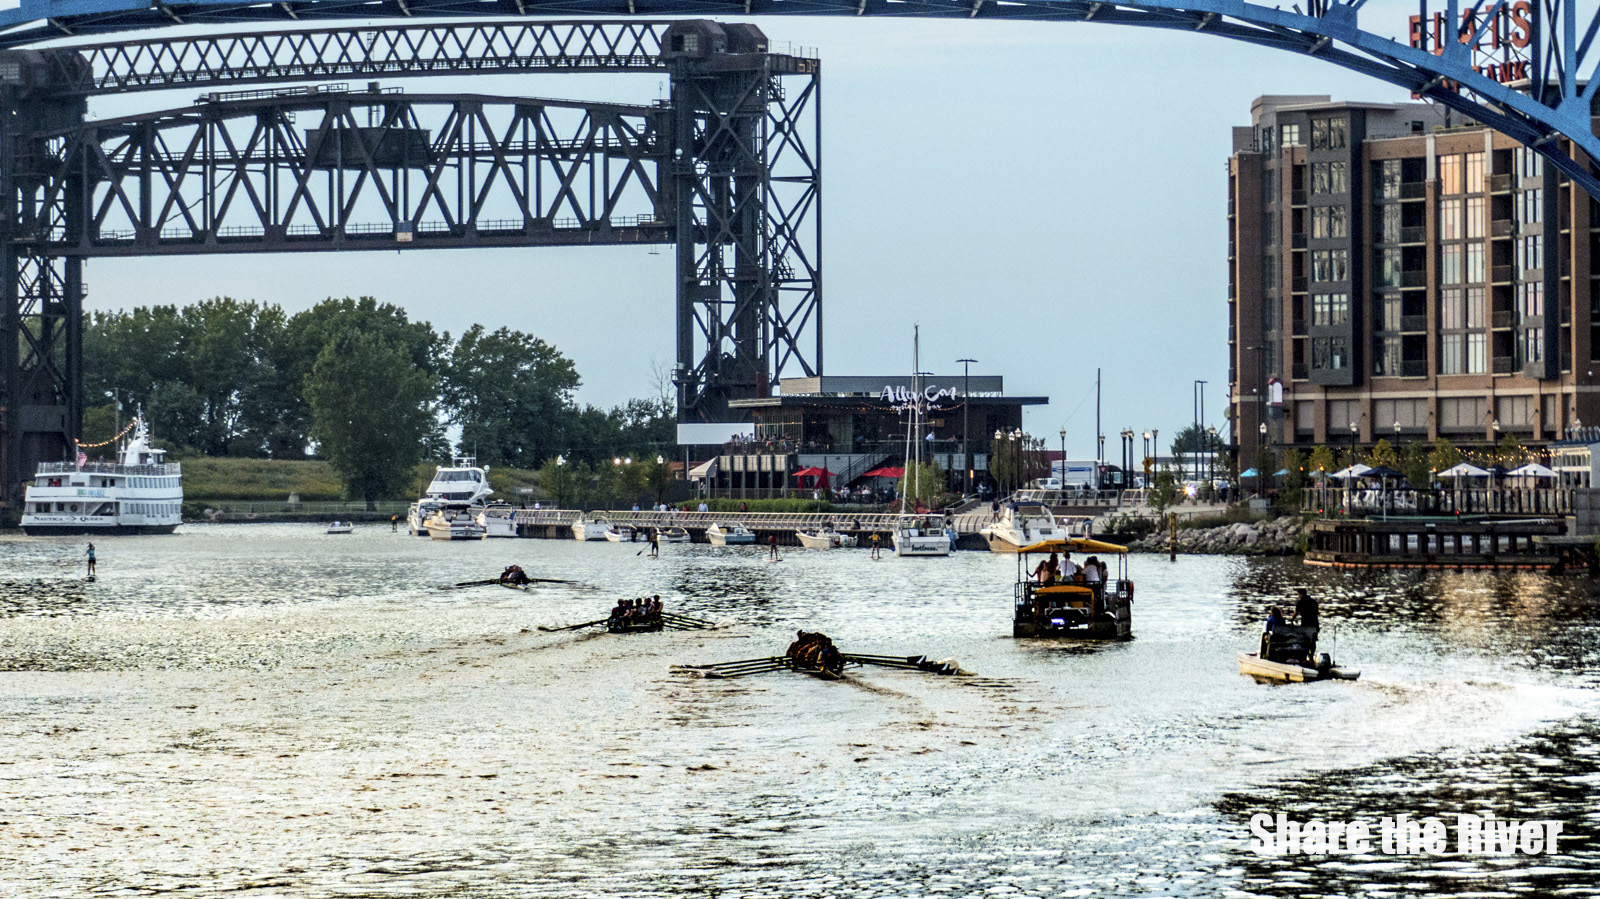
{"points": [[1053, 571]]}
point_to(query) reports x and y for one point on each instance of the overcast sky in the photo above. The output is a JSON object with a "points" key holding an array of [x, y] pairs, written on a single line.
{"points": [[1044, 198]]}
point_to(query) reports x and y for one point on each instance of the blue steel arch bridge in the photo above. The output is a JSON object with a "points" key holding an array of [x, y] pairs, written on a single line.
{"points": [[727, 170]]}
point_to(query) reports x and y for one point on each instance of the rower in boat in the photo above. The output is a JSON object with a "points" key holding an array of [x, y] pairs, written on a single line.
{"points": [[815, 653], [515, 576], [635, 615]]}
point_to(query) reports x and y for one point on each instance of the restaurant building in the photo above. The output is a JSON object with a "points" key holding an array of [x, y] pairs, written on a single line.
{"points": [[849, 426]]}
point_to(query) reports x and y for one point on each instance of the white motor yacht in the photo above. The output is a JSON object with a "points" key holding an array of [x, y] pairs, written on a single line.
{"points": [[454, 522], [1022, 523], [591, 529], [498, 521], [920, 535], [824, 538], [619, 533]]}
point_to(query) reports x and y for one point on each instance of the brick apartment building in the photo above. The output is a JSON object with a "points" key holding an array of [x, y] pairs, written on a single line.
{"points": [[1396, 272]]}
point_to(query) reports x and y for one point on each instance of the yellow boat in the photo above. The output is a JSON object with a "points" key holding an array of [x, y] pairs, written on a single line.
{"points": [[1076, 608]]}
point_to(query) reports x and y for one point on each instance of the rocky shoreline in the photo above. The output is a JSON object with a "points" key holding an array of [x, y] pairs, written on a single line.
{"points": [[1269, 537]]}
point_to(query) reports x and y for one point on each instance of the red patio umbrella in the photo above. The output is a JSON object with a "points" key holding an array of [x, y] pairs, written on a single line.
{"points": [[821, 474], [888, 471]]}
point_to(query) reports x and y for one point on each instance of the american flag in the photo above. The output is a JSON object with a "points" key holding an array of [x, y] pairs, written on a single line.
{"points": [[83, 457]]}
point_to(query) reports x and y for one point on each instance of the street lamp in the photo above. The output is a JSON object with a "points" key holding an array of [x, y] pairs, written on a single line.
{"points": [[1211, 456], [966, 423], [561, 464], [1063, 457]]}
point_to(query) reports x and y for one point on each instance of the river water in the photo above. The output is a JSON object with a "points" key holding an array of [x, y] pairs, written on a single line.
{"points": [[263, 710]]}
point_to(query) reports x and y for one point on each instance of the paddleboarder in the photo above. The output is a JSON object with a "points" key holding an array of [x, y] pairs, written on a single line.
{"points": [[655, 542], [772, 546], [875, 547], [91, 560]]}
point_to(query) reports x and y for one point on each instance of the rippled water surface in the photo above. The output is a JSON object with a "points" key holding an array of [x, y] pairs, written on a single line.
{"points": [[266, 710]]}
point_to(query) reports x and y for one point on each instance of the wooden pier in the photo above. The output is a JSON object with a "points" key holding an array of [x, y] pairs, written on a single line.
{"points": [[1455, 543]]}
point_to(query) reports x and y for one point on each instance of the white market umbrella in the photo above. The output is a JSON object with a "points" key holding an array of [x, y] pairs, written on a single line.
{"points": [[1354, 471], [1463, 470], [1531, 470]]}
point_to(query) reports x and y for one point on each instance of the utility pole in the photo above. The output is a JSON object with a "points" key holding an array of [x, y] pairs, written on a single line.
{"points": [[966, 424]]}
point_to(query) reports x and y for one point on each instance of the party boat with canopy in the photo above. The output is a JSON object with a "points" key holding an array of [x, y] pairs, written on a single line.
{"points": [[1077, 606]]}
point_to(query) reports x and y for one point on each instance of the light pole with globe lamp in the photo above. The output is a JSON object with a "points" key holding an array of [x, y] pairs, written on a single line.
{"points": [[966, 424], [1063, 478]]}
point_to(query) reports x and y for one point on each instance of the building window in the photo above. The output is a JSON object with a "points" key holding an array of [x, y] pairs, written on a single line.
{"points": [[1389, 320], [1329, 221], [1450, 354], [1319, 221], [1475, 218], [1530, 298], [1475, 307], [1389, 223], [1330, 265], [1330, 353], [1386, 180], [1450, 264], [1452, 310], [1290, 135], [1449, 175], [1529, 163], [1389, 263], [1330, 308], [1319, 134], [1386, 356], [1530, 253], [1450, 215], [1476, 362], [1319, 177], [1474, 173], [1532, 207], [1337, 139], [1533, 345], [1475, 273]]}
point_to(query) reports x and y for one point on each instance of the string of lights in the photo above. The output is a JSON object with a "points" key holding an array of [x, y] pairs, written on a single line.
{"points": [[87, 446]]}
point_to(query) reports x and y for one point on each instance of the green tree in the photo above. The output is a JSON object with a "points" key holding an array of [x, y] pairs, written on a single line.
{"points": [[1444, 455], [1294, 464], [1165, 493], [511, 393], [1414, 462], [1322, 460], [1509, 451], [1383, 454], [371, 409], [923, 485]]}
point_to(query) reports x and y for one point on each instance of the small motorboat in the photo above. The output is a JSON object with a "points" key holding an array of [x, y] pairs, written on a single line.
{"points": [[920, 535], [454, 523], [720, 534], [1289, 656], [592, 529], [498, 521], [341, 527], [619, 533], [824, 538], [675, 534]]}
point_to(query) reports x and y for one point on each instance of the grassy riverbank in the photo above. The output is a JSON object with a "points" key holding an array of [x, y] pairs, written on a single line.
{"points": [[222, 480]]}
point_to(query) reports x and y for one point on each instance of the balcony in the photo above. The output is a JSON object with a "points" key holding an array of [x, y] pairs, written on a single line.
{"points": [[1501, 228], [1413, 190], [1503, 365], [1499, 184], [1298, 285], [1414, 234], [1414, 279], [1414, 323], [1298, 371], [1297, 241], [1502, 274], [1298, 327], [1413, 368], [1500, 319], [1297, 198]]}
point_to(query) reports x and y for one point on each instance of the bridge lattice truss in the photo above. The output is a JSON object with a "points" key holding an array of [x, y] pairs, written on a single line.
{"points": [[726, 171]]}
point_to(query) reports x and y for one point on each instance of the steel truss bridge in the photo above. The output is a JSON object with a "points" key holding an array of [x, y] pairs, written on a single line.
{"points": [[748, 285], [726, 171]]}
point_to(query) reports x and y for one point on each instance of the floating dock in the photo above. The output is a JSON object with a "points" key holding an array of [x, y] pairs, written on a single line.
{"points": [[1456, 543]]}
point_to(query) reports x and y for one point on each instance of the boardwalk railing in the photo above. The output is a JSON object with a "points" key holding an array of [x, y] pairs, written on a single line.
{"points": [[1374, 502], [771, 521]]}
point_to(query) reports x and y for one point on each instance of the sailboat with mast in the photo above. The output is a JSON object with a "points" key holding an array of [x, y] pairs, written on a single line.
{"points": [[917, 533]]}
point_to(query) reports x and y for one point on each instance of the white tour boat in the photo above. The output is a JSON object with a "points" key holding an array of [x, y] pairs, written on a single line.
{"points": [[591, 529], [454, 521], [140, 493], [498, 521], [720, 534], [920, 535], [1022, 523]]}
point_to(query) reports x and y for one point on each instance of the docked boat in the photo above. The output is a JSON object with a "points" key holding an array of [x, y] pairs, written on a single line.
{"points": [[824, 538], [1022, 523], [675, 534], [1289, 655], [619, 533], [463, 483], [590, 529], [723, 534], [920, 535], [139, 493], [341, 527], [1076, 607], [417, 516], [454, 522], [497, 520]]}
